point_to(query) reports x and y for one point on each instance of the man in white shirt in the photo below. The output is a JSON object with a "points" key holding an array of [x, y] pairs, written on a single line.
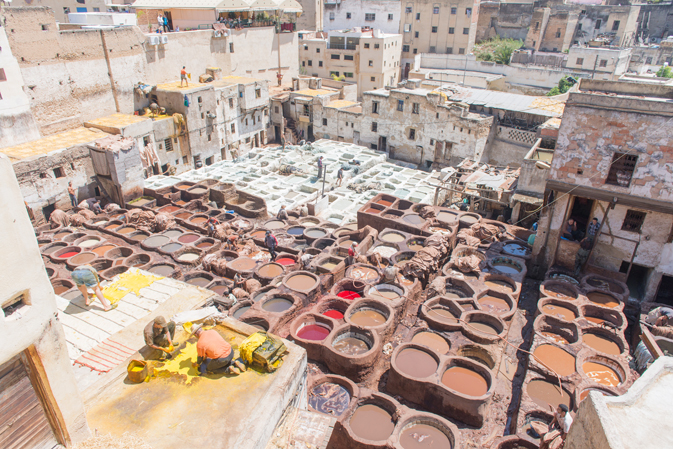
{"points": [[558, 429]]}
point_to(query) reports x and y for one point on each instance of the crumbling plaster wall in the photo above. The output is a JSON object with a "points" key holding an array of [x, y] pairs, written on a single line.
{"points": [[24, 272], [589, 137]]}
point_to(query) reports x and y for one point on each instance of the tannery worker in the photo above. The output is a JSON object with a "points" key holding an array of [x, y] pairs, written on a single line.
{"points": [[159, 336], [558, 429], [93, 204], [215, 355], [350, 260], [306, 260], [390, 273], [282, 213], [661, 316], [271, 242], [71, 193]]}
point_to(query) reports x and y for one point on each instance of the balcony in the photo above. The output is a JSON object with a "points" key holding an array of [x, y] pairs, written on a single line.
{"points": [[341, 46]]}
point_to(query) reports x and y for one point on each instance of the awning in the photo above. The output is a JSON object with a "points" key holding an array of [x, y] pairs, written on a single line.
{"points": [[233, 5], [519, 198]]}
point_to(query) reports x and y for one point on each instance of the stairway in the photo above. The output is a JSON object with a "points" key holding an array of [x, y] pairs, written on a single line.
{"points": [[292, 125]]}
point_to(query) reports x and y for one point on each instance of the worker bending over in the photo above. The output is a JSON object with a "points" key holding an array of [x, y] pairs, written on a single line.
{"points": [[159, 336], [215, 355]]}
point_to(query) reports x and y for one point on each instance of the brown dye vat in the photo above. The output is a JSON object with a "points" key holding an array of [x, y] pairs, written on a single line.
{"points": [[183, 215], [346, 244], [126, 230], [415, 246], [555, 359], [271, 270], [595, 320], [61, 234], [453, 294], [600, 343], [371, 422], [432, 341], [392, 237], [189, 238], [363, 273], [60, 288], [197, 190], [243, 263], [483, 327], [367, 317], [442, 314], [82, 258], [557, 311], [500, 286], [162, 270], [371, 210], [182, 186], [424, 436], [601, 374], [416, 363], [169, 209], [560, 292], [219, 289], [199, 220], [493, 304], [277, 305], [384, 203], [171, 247], [351, 346], [469, 219], [375, 292], [555, 337], [258, 235], [329, 398], [315, 233], [447, 217], [301, 282], [205, 244], [139, 237], [605, 285], [465, 381], [414, 219], [112, 226], [545, 393], [275, 224], [199, 281], [602, 299]]}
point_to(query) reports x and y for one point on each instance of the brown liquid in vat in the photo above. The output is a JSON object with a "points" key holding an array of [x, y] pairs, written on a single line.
{"points": [[367, 318], [384, 203], [557, 311], [493, 304], [363, 273], [594, 320], [270, 271], [602, 299], [101, 250], [501, 286], [301, 282], [483, 327], [560, 292], [555, 337], [416, 363], [244, 263], [371, 422], [465, 381], [351, 346], [601, 344], [601, 374], [544, 393], [432, 341], [423, 436], [442, 314], [556, 359]]}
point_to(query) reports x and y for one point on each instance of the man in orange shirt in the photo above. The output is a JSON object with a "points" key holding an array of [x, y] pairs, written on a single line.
{"points": [[215, 355], [183, 76]]}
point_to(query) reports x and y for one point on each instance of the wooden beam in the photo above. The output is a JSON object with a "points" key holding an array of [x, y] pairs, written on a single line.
{"points": [[650, 342]]}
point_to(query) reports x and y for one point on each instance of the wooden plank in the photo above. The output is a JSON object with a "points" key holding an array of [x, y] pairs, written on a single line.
{"points": [[83, 327], [102, 320], [650, 342]]}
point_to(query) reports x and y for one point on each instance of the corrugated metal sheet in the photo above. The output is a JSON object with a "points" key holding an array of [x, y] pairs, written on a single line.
{"points": [[507, 101]]}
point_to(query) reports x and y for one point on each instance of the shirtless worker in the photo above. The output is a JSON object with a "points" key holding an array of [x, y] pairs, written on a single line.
{"points": [[215, 355]]}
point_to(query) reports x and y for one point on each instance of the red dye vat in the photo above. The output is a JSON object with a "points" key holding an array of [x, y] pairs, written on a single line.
{"points": [[285, 261], [334, 314], [68, 254], [313, 332], [348, 294]]}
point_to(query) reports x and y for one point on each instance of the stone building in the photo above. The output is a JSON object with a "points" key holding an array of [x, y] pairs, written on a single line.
{"points": [[42, 406], [429, 27], [62, 8], [381, 15], [611, 162], [607, 25], [369, 58], [655, 21], [552, 29], [311, 15], [506, 20]]}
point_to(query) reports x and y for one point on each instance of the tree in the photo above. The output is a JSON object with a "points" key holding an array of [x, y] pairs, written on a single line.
{"points": [[665, 72], [563, 86], [497, 49]]}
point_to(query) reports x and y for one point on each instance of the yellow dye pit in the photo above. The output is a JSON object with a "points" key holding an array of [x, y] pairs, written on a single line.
{"points": [[129, 282]]}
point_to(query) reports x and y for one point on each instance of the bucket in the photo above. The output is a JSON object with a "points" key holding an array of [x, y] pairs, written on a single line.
{"points": [[137, 371]]}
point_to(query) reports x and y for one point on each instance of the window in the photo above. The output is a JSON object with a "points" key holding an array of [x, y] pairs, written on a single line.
{"points": [[333, 56], [454, 10], [375, 107], [390, 17], [648, 60], [348, 57], [3, 77], [466, 31], [603, 63], [412, 134], [310, 62], [275, 109], [317, 50], [461, 51], [247, 140], [246, 122], [615, 25], [408, 10], [319, 63], [348, 15], [400, 105], [371, 63], [579, 61], [407, 27], [66, 10], [334, 74], [373, 146], [370, 17], [633, 221], [209, 137], [348, 74], [303, 63], [415, 33], [579, 28], [415, 108], [558, 32], [324, 122], [435, 9], [366, 45], [203, 116], [377, 46], [598, 24], [233, 127], [258, 93], [418, 16], [231, 47], [375, 127], [331, 16], [231, 102], [452, 30], [96, 10], [537, 26], [405, 49], [372, 79], [168, 143], [433, 50], [449, 50], [415, 51], [434, 29], [59, 172], [621, 169]]}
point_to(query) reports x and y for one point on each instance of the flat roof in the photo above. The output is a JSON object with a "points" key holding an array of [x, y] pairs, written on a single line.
{"points": [[487, 76], [338, 104], [174, 86], [314, 92], [545, 106], [233, 79], [55, 142], [117, 120]]}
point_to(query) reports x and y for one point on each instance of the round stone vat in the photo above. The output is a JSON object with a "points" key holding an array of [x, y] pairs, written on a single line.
{"points": [[138, 236], [385, 292], [559, 290], [563, 310], [61, 285], [604, 341], [349, 288], [164, 269], [118, 253], [50, 248], [562, 275], [206, 243], [448, 216], [502, 283], [266, 272], [295, 231], [113, 271], [314, 233], [256, 322], [606, 284], [583, 389], [362, 272], [553, 359], [477, 353], [221, 286], [602, 370], [603, 317], [155, 241], [432, 340], [101, 264], [516, 249], [370, 314], [482, 327], [198, 219], [442, 313], [506, 266], [189, 238], [188, 256], [173, 233], [515, 442], [392, 237], [467, 219], [497, 303], [555, 330], [332, 395], [323, 243], [309, 331], [62, 233], [415, 361], [332, 307], [87, 241], [241, 265], [278, 303], [198, 278], [424, 430], [301, 281], [240, 308], [544, 391], [468, 386], [352, 351], [63, 254], [83, 258], [604, 299]]}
